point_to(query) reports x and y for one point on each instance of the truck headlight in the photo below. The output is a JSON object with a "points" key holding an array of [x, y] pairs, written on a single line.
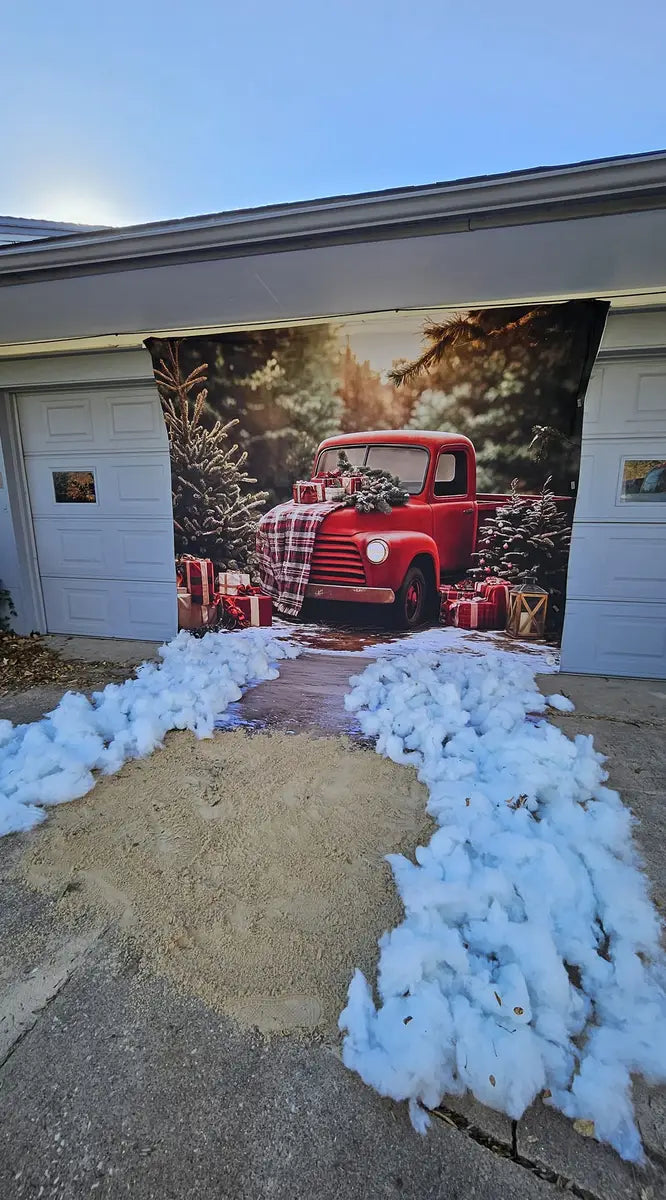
{"points": [[377, 551]]}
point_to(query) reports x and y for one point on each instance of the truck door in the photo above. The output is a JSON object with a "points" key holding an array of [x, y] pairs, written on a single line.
{"points": [[453, 511]]}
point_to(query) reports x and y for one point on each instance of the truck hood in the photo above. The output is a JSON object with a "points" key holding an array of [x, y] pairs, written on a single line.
{"points": [[345, 522]]}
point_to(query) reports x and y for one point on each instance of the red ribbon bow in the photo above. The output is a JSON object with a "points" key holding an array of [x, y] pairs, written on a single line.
{"points": [[232, 612]]}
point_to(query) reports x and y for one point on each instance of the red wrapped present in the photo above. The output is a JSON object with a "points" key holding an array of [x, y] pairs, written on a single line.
{"points": [[351, 483], [308, 491], [198, 576], [457, 592], [256, 607], [328, 478], [497, 591], [474, 614]]}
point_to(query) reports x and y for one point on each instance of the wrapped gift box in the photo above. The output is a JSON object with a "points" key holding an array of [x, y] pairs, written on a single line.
{"points": [[230, 582], [328, 479], [192, 615], [352, 483], [198, 577], [334, 493], [308, 491], [444, 609], [451, 595], [458, 592], [256, 608], [474, 614], [497, 591]]}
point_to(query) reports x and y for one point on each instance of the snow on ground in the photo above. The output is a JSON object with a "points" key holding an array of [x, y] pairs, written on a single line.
{"points": [[542, 658], [331, 639], [52, 760], [529, 958]]}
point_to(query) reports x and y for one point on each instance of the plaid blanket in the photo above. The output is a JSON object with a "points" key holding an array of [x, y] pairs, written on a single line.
{"points": [[285, 542]]}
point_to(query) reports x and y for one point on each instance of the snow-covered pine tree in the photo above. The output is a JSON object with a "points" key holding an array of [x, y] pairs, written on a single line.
{"points": [[528, 538], [380, 491], [214, 514]]}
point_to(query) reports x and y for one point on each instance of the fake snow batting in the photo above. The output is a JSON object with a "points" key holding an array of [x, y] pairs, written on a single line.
{"points": [[529, 959], [52, 760]]}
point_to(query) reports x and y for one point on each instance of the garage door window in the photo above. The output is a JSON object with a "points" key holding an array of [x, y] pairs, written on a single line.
{"points": [[74, 487], [643, 481]]}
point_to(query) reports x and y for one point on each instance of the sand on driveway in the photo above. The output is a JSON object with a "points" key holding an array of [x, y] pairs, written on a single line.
{"points": [[248, 869]]}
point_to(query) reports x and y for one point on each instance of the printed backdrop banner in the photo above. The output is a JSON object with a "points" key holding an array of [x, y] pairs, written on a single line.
{"points": [[246, 411]]}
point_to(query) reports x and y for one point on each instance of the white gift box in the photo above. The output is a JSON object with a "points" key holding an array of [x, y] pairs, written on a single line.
{"points": [[229, 582]]}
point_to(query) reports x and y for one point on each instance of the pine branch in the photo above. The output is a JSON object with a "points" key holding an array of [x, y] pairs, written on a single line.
{"points": [[461, 331]]}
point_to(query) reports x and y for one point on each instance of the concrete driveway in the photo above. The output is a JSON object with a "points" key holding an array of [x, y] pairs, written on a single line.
{"points": [[113, 1083]]}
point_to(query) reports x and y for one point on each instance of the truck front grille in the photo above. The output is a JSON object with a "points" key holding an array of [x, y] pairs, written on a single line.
{"points": [[336, 560]]}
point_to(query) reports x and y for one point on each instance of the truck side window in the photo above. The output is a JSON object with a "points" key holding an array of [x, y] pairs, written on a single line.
{"points": [[451, 475]]}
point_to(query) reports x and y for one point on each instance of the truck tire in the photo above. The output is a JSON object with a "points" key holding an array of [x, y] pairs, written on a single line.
{"points": [[413, 602]]}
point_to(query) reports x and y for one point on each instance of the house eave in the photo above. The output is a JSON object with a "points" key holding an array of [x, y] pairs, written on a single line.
{"points": [[587, 189]]}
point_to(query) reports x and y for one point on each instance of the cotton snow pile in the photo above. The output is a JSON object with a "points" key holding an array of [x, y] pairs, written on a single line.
{"points": [[529, 959], [52, 760]]}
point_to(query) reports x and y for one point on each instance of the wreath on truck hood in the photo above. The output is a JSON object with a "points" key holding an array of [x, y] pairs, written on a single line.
{"points": [[379, 491]]}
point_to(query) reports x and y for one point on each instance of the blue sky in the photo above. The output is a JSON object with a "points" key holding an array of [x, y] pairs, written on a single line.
{"points": [[139, 111]]}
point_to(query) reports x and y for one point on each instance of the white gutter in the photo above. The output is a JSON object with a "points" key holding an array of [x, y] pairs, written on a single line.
{"points": [[636, 182]]}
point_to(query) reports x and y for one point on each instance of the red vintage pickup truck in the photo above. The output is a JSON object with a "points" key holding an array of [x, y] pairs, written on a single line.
{"points": [[401, 557]]}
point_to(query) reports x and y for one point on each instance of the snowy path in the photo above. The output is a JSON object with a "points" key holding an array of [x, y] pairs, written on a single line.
{"points": [[52, 761], [529, 960]]}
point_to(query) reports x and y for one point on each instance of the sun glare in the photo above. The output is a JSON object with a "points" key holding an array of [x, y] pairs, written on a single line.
{"points": [[81, 209]]}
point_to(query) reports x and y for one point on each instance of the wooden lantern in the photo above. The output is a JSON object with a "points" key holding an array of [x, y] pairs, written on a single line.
{"points": [[527, 610]]}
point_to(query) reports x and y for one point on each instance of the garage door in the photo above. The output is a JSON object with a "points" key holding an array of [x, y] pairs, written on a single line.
{"points": [[615, 620], [97, 466]]}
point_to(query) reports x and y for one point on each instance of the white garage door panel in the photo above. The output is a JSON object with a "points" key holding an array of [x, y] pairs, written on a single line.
{"points": [[600, 488], [125, 485], [628, 399], [615, 639], [103, 550], [618, 562], [106, 420], [107, 566], [111, 608], [615, 621]]}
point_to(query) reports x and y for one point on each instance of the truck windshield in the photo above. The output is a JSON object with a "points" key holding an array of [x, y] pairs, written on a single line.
{"points": [[409, 463]]}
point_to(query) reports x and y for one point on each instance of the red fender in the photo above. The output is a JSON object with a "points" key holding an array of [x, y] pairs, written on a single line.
{"points": [[404, 546]]}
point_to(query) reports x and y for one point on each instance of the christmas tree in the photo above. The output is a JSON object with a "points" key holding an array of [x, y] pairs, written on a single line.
{"points": [[214, 515], [527, 539], [379, 492], [281, 384]]}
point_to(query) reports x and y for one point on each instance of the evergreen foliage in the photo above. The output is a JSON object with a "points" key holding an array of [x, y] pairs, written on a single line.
{"points": [[509, 379], [281, 386], [7, 609], [527, 538], [214, 514], [380, 491]]}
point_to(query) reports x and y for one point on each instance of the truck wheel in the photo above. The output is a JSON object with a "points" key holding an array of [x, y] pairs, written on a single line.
{"points": [[412, 603]]}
